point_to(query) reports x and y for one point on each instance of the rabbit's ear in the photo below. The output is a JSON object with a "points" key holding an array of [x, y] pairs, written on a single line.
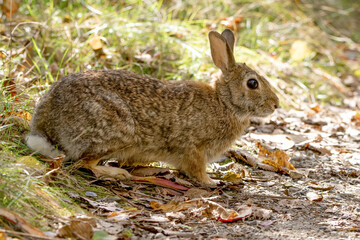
{"points": [[229, 37], [221, 52]]}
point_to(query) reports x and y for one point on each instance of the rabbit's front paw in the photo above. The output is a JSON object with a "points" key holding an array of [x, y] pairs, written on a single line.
{"points": [[209, 182]]}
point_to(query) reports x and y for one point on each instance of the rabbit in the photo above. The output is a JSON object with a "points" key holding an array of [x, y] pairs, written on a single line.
{"points": [[134, 118]]}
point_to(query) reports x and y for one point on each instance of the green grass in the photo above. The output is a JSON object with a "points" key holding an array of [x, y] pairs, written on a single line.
{"points": [[47, 40]]}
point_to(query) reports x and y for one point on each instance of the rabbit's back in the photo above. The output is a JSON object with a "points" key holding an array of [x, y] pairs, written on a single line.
{"points": [[99, 113]]}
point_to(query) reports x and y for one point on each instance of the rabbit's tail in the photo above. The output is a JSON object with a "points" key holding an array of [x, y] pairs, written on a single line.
{"points": [[41, 145]]}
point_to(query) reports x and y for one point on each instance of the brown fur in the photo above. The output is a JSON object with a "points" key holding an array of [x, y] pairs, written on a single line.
{"points": [[139, 119]]}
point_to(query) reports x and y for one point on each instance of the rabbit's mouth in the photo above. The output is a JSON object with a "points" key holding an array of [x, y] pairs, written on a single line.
{"points": [[264, 112]]}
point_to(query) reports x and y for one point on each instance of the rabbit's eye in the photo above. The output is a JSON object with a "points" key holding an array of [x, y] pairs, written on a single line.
{"points": [[252, 83]]}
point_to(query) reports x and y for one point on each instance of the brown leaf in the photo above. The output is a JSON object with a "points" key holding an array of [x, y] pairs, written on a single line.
{"points": [[20, 114], [96, 43], [160, 182], [234, 177], [203, 208], [78, 227], [278, 159], [10, 7], [314, 197], [357, 116], [3, 236], [20, 222], [324, 187], [232, 23], [316, 108], [10, 87]]}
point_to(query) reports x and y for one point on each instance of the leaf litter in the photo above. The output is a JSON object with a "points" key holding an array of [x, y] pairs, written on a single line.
{"points": [[293, 175]]}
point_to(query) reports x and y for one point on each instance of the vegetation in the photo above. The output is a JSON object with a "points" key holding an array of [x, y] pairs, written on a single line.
{"points": [[307, 49]]}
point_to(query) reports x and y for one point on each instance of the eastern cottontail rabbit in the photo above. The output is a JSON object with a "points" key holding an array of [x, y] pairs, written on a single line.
{"points": [[138, 119]]}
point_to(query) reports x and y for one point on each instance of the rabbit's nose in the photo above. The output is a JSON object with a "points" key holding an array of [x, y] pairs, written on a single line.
{"points": [[277, 105]]}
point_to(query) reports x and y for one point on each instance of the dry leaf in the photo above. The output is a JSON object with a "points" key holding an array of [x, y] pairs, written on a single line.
{"points": [[160, 182], [278, 159], [80, 227], [314, 197], [232, 23], [10, 7], [20, 222], [299, 50], [324, 187], [357, 116], [10, 87], [3, 236], [203, 208], [95, 43], [21, 114], [316, 108], [233, 177]]}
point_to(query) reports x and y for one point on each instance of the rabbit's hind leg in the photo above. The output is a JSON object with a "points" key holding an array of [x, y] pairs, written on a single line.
{"points": [[104, 171]]}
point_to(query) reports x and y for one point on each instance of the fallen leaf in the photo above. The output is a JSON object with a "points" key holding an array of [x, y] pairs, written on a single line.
{"points": [[175, 215], [312, 196], [55, 163], [232, 23], [160, 182], [316, 108], [261, 213], [266, 223], [3, 236], [53, 166], [233, 177], [154, 219], [278, 159], [233, 216], [96, 43], [22, 114], [20, 222], [77, 227], [9, 86], [299, 50], [203, 208], [246, 157], [357, 116], [10, 7], [324, 187]]}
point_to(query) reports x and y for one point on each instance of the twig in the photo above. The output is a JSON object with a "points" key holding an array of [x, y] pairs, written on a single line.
{"points": [[125, 199], [271, 196]]}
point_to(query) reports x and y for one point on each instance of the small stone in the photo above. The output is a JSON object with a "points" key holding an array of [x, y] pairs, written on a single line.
{"points": [[91, 194], [159, 236], [295, 174]]}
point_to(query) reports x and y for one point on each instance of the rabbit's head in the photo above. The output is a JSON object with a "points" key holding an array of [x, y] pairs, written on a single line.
{"points": [[242, 89]]}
